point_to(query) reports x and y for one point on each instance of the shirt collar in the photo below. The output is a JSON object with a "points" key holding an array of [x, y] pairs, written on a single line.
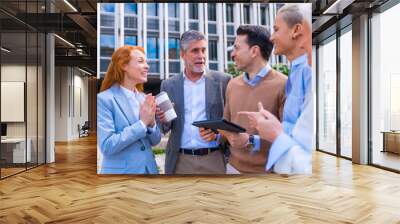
{"points": [[128, 93], [261, 74], [203, 76], [300, 60]]}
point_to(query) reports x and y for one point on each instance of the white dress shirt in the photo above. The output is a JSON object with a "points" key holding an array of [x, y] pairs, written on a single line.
{"points": [[195, 110], [134, 99]]}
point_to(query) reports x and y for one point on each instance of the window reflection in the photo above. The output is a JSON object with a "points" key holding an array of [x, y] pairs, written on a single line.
{"points": [[327, 96], [346, 94], [107, 7], [385, 88], [130, 8]]}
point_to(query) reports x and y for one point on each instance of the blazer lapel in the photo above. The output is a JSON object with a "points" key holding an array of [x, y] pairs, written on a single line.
{"points": [[179, 94], [211, 90], [123, 104]]}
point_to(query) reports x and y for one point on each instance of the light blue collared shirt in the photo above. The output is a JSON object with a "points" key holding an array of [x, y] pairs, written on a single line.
{"points": [[195, 110], [257, 79], [134, 99], [298, 112]]}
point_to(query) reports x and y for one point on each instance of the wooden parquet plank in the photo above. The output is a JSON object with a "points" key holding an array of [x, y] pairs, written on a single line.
{"points": [[70, 191]]}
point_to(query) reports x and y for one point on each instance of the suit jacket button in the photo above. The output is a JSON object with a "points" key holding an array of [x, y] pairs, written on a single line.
{"points": [[143, 148]]}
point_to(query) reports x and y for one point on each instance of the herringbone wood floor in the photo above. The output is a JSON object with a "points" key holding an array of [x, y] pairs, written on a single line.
{"points": [[70, 191]]}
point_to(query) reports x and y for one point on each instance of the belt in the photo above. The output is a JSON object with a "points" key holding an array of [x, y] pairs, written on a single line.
{"points": [[198, 152]]}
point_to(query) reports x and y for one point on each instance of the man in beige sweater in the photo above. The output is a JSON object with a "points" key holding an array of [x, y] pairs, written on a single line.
{"points": [[259, 83]]}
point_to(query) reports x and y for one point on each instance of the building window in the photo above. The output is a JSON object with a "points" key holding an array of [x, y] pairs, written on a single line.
{"points": [[107, 7], [193, 16], [213, 49], [152, 16], [107, 45], [104, 62], [173, 10], [193, 11], [130, 19], [152, 24], [230, 26], [130, 22], [107, 37], [212, 28], [153, 54], [130, 8], [107, 15], [229, 44], [346, 94], [173, 55], [213, 54], [173, 48], [152, 9], [212, 11], [263, 15], [229, 13], [230, 30], [173, 26], [173, 40], [246, 14], [107, 20], [385, 88], [173, 17], [152, 48], [130, 40], [327, 96], [194, 26], [212, 18]]}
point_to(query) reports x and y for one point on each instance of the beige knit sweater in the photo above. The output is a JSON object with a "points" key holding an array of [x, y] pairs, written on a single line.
{"points": [[242, 97]]}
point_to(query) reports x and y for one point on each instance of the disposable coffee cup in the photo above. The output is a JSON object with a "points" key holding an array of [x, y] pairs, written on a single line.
{"points": [[163, 101]]}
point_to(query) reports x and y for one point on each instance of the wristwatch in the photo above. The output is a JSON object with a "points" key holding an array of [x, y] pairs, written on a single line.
{"points": [[251, 139]]}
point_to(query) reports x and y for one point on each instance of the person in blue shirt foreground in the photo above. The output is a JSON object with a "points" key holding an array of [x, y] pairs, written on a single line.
{"points": [[292, 140]]}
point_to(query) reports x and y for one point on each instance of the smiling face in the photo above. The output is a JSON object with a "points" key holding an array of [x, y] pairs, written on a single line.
{"points": [[282, 37], [194, 56], [137, 68], [242, 53]]}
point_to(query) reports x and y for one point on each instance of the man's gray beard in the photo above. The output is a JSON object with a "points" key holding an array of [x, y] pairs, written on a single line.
{"points": [[198, 70]]}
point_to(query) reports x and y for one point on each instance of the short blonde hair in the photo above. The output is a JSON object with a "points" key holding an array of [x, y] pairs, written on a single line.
{"points": [[293, 13]]}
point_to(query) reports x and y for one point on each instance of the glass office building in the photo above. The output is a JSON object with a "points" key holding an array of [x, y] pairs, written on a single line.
{"points": [[158, 26]]}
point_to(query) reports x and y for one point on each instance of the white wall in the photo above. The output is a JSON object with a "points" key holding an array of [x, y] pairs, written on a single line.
{"points": [[80, 84], [33, 126], [71, 93], [17, 73]]}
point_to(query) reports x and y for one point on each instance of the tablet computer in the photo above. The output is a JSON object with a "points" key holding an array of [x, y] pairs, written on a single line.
{"points": [[221, 124]]}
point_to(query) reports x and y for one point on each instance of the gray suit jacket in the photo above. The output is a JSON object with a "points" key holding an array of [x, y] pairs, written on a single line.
{"points": [[215, 88]]}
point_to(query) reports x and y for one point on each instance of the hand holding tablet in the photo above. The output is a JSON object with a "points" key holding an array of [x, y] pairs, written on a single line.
{"points": [[219, 124]]}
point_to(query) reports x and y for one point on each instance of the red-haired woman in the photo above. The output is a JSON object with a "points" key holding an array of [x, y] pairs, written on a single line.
{"points": [[126, 117]]}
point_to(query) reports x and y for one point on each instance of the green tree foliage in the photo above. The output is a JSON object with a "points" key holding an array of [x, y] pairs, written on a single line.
{"points": [[283, 68], [232, 70]]}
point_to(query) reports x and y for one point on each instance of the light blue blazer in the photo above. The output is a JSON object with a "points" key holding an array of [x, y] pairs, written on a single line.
{"points": [[123, 142]]}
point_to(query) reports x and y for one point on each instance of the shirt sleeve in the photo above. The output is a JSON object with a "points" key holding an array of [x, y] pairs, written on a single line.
{"points": [[151, 129], [142, 124], [257, 144], [302, 134]]}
